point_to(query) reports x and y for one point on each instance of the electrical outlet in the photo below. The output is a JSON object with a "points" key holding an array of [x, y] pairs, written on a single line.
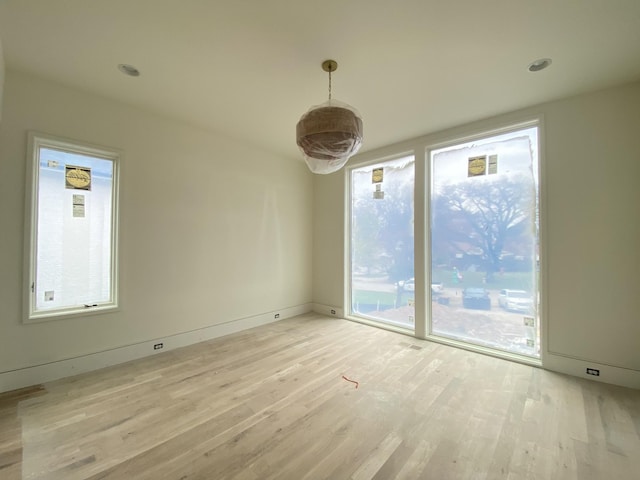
{"points": [[158, 346], [593, 371], [277, 315]]}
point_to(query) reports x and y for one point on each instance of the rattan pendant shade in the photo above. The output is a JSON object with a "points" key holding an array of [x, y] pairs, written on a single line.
{"points": [[329, 134]]}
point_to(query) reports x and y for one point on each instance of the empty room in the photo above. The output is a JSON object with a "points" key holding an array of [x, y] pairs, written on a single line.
{"points": [[347, 239]]}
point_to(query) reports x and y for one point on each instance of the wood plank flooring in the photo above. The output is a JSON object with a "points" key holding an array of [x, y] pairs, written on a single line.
{"points": [[271, 403]]}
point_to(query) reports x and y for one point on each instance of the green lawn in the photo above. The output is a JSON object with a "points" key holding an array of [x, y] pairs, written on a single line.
{"points": [[512, 280], [385, 298]]}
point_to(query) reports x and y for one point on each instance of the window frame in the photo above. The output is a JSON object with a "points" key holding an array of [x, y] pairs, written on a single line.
{"points": [[347, 299], [480, 133], [421, 148], [37, 141]]}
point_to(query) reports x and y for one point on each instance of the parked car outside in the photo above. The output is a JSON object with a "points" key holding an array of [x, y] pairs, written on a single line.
{"points": [[476, 298], [515, 300], [410, 286]]}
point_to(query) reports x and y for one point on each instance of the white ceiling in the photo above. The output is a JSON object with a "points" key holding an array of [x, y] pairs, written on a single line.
{"points": [[250, 68]]}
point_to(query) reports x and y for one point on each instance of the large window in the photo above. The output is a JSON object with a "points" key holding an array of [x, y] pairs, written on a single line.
{"points": [[382, 236], [461, 265], [484, 225], [72, 232]]}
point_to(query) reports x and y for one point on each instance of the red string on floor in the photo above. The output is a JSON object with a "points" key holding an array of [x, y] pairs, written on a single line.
{"points": [[352, 381]]}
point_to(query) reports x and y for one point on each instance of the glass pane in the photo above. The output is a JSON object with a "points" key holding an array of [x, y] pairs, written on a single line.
{"points": [[382, 283], [74, 222], [484, 242]]}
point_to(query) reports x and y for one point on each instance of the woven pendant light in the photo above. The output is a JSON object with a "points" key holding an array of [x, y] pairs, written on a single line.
{"points": [[330, 133]]}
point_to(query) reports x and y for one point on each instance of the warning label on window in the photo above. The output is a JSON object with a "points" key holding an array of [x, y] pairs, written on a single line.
{"points": [[377, 176], [477, 166], [77, 178], [78, 205]]}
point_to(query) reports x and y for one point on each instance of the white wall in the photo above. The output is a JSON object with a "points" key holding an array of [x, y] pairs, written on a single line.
{"points": [[211, 230], [593, 229], [328, 239], [2, 74], [592, 199]]}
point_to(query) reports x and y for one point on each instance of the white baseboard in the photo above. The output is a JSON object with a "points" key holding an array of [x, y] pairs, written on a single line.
{"points": [[624, 377], [328, 310], [36, 374]]}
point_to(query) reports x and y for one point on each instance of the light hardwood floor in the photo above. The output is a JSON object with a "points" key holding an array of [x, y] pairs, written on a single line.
{"points": [[271, 403]]}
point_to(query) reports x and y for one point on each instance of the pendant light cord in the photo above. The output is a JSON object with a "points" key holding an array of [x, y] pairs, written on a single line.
{"points": [[329, 84]]}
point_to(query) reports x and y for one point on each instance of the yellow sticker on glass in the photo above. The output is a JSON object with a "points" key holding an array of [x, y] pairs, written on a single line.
{"points": [[77, 178], [477, 166]]}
